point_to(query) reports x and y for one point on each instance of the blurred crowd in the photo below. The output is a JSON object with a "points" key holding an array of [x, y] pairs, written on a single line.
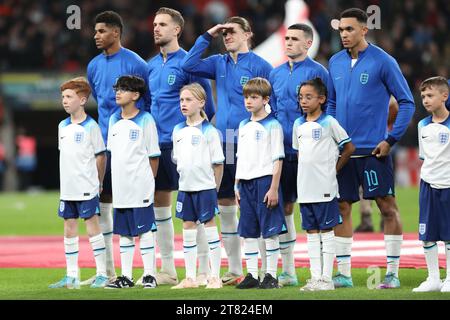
{"points": [[34, 36]]}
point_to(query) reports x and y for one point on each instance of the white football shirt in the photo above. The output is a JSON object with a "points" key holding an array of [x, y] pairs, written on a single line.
{"points": [[260, 144], [434, 149], [79, 144], [318, 144], [132, 142], [195, 150]]}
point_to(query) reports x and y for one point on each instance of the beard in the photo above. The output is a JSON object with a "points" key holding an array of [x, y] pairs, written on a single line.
{"points": [[161, 42]]}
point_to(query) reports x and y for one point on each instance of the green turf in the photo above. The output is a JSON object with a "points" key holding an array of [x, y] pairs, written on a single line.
{"points": [[18, 284], [36, 213]]}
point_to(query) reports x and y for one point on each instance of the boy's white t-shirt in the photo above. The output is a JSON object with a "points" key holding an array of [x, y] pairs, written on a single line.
{"points": [[132, 142], [78, 146], [434, 149], [318, 144], [195, 150], [260, 144]]}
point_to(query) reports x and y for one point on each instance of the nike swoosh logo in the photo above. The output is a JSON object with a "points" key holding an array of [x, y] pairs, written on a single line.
{"points": [[63, 137], [84, 211], [139, 227], [328, 222], [424, 137], [114, 134], [179, 140], [371, 189], [204, 214], [222, 76], [272, 229], [337, 78]]}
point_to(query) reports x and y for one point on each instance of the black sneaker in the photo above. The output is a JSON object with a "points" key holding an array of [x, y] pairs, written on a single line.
{"points": [[149, 282], [121, 282], [269, 282], [248, 283]]}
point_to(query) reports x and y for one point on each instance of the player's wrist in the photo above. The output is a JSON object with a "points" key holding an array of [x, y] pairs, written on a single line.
{"points": [[390, 140], [236, 187]]}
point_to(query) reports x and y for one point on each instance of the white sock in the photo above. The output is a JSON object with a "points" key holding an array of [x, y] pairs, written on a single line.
{"points": [[230, 238], [127, 255], [215, 250], [287, 243], [106, 226], [202, 251], [190, 252], [393, 246], [328, 254], [71, 251], [430, 249], [343, 255], [273, 252], [313, 244], [147, 247], [447, 256], [251, 256], [98, 247], [262, 254], [165, 238]]}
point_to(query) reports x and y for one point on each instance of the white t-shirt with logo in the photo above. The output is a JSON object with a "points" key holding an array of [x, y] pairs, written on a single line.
{"points": [[78, 145], [318, 144], [195, 150], [132, 142], [434, 149], [260, 144]]}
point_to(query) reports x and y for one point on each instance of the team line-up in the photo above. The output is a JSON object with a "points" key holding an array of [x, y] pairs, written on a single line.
{"points": [[297, 133]]}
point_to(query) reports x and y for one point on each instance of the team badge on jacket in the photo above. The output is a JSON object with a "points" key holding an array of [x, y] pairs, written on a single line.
{"points": [[171, 79], [364, 78]]}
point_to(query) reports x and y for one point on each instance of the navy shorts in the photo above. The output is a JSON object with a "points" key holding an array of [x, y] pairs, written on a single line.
{"points": [[197, 206], [79, 209], [132, 222], [320, 215], [288, 179], [434, 213], [226, 189], [167, 176], [107, 185], [375, 175], [255, 218]]}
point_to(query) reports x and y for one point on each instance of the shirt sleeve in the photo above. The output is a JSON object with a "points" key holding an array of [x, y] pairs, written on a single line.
{"points": [[143, 72], [331, 99], [151, 138], [193, 63], [215, 147], [175, 146], [294, 136], [276, 141], [97, 140], [273, 97], [419, 136], [110, 141], [59, 137], [90, 80], [338, 133]]}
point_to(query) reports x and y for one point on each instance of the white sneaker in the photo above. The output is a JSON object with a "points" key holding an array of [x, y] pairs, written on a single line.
{"points": [[165, 278], [89, 281], [187, 283], [429, 285], [214, 283], [202, 279], [311, 285], [446, 285], [324, 285], [139, 282]]}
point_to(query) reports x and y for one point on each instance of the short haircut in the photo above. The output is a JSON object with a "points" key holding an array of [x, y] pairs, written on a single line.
{"points": [[318, 86], [110, 18], [259, 86], [131, 83], [174, 14], [438, 82], [357, 13], [307, 30], [198, 92], [79, 84]]}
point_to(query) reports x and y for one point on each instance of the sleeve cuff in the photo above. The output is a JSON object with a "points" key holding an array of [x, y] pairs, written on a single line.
{"points": [[207, 36], [100, 152], [155, 155], [391, 140]]}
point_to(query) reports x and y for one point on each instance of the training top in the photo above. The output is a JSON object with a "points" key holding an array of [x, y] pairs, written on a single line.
{"points": [[166, 80], [79, 144], [358, 97], [434, 150], [285, 83], [318, 144], [447, 103], [132, 142], [230, 78], [103, 72], [195, 150], [260, 144]]}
